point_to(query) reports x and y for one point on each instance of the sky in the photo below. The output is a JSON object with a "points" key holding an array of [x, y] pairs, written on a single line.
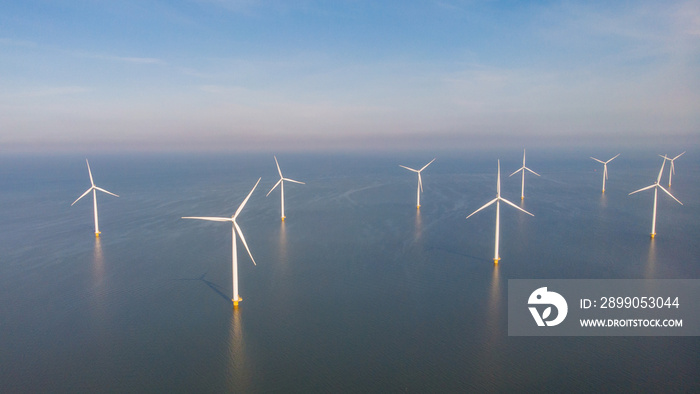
{"points": [[227, 75]]}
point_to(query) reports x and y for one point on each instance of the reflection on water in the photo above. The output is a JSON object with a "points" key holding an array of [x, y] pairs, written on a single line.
{"points": [[239, 375], [522, 218], [419, 226], [98, 263], [603, 200], [650, 269], [280, 267], [283, 243], [98, 282], [490, 360], [493, 312]]}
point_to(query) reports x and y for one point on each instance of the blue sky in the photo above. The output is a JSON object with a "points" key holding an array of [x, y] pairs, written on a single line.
{"points": [[269, 75]]}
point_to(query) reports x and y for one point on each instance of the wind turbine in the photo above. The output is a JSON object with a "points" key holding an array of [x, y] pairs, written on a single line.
{"points": [[673, 167], [523, 168], [420, 181], [94, 189], [498, 200], [234, 229], [605, 168], [281, 183], [656, 187]]}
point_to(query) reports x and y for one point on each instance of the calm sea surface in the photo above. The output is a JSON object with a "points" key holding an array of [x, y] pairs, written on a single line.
{"points": [[355, 292]]}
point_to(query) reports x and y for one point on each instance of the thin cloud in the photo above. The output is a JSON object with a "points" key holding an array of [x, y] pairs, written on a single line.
{"points": [[34, 45], [125, 59], [234, 5], [17, 43], [139, 60], [49, 91]]}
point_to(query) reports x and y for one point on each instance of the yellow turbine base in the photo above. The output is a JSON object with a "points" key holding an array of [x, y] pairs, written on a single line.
{"points": [[495, 261], [235, 302], [522, 197], [417, 206], [283, 218], [652, 235], [97, 235]]}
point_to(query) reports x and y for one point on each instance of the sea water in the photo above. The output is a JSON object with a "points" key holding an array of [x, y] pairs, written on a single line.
{"points": [[356, 291]]}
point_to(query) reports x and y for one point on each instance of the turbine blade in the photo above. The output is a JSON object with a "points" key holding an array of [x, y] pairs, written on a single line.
{"points": [[523, 158], [105, 191], [679, 155], [498, 180], [408, 168], [665, 157], [658, 179], [209, 218], [517, 171], [292, 180], [420, 182], [673, 168], [532, 171], [273, 187], [240, 208], [515, 206], [642, 189], [240, 234], [278, 167], [90, 172], [426, 165], [485, 205], [83, 195], [669, 193], [599, 161], [605, 171], [612, 158]]}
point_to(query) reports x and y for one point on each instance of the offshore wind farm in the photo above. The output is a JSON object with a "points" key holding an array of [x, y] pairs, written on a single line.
{"points": [[180, 106], [354, 283]]}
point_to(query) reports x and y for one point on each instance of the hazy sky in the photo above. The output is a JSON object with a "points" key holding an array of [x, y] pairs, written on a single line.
{"points": [[267, 75]]}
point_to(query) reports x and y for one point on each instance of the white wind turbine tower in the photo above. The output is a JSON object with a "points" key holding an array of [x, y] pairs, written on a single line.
{"points": [[523, 168], [605, 168], [420, 181], [281, 184], [497, 200], [656, 187], [234, 229], [94, 189], [673, 167]]}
